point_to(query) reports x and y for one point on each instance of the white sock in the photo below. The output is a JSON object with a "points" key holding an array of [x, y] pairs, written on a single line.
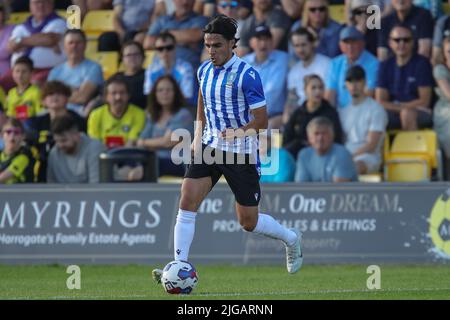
{"points": [[183, 234], [270, 227]]}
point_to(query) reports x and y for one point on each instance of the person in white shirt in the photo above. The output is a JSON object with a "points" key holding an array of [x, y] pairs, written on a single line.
{"points": [[39, 38], [310, 62], [364, 124]]}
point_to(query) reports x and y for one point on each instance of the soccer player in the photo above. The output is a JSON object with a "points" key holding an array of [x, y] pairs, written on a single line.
{"points": [[231, 97]]}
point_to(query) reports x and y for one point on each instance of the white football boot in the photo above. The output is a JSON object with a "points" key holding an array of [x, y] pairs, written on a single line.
{"points": [[157, 274], [294, 254]]}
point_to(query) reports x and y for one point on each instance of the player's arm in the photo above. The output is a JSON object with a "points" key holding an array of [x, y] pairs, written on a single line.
{"points": [[259, 122], [200, 123]]}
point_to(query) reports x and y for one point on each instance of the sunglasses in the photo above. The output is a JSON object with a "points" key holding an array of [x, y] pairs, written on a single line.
{"points": [[225, 4], [318, 9], [398, 40], [169, 47], [15, 131]]}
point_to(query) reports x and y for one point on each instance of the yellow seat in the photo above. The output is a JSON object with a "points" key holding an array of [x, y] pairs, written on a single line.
{"points": [[149, 55], [446, 7], [18, 17], [96, 22], [370, 177], [412, 157], [91, 47], [337, 12], [109, 61], [170, 179]]}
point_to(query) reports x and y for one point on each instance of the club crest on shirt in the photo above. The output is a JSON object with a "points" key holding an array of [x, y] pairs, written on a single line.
{"points": [[231, 77]]}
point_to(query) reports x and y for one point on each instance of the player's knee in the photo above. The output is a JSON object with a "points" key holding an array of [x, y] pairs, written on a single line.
{"points": [[248, 224]]}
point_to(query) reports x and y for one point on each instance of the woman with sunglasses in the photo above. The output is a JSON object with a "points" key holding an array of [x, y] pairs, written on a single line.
{"points": [[16, 161], [317, 19]]}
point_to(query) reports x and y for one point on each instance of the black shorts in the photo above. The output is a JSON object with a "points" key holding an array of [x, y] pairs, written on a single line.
{"points": [[243, 178]]}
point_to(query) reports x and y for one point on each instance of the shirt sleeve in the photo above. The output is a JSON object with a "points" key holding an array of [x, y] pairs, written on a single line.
{"points": [[56, 26], [148, 129], [426, 26], [94, 162], [94, 126], [378, 120], [381, 76], [181, 120], [156, 27], [332, 80], [187, 81], [138, 125], [253, 89], [440, 72], [50, 173], [301, 173], [426, 73], [438, 34], [95, 74], [372, 74], [345, 168]]}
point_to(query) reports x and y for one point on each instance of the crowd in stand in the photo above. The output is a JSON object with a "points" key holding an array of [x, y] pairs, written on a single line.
{"points": [[333, 89]]}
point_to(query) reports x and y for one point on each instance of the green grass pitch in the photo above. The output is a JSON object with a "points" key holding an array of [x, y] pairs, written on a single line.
{"points": [[229, 282]]}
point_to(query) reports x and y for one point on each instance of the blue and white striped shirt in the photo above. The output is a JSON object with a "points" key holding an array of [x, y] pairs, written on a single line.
{"points": [[229, 93]]}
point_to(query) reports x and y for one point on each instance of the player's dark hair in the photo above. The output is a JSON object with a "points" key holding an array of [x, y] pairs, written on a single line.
{"points": [[25, 61], [224, 26], [55, 87], [164, 35], [77, 32], [64, 123], [302, 31], [117, 79], [154, 108]]}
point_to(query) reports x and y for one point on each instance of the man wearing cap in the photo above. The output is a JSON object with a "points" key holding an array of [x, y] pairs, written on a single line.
{"points": [[359, 18], [405, 83], [417, 19], [352, 46], [272, 66], [364, 124]]}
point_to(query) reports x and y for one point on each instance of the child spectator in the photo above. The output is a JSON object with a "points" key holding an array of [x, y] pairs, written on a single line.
{"points": [[24, 100], [16, 160]]}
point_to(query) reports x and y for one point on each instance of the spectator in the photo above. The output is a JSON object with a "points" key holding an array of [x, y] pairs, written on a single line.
{"points": [[310, 62], [352, 46], [272, 66], [83, 76], [186, 26], [116, 123], [293, 8], [75, 157], [441, 111], [166, 62], [364, 124], [433, 6], [55, 96], [385, 8], [295, 136], [324, 161], [3, 119], [5, 34], [264, 12], [417, 19], [166, 114], [405, 83], [23, 101], [16, 160], [359, 17], [441, 30], [133, 56], [327, 30], [230, 8], [131, 20], [40, 38], [277, 164], [24, 5], [88, 5]]}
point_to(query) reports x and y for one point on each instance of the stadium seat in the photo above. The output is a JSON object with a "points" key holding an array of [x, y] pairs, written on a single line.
{"points": [[413, 156], [91, 47], [370, 177], [337, 12], [170, 179], [446, 7], [149, 55], [18, 17], [109, 61], [96, 22]]}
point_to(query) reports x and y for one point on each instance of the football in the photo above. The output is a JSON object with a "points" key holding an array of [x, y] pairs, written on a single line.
{"points": [[179, 277]]}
